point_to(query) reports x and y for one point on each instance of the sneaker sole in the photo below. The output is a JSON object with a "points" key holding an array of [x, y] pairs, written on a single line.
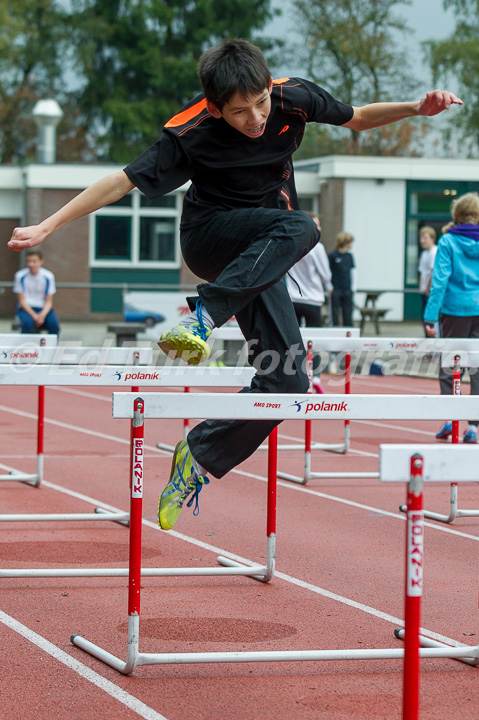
{"points": [[181, 347], [163, 513]]}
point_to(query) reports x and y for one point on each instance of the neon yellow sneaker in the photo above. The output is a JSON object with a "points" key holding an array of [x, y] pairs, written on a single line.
{"points": [[183, 480], [186, 343]]}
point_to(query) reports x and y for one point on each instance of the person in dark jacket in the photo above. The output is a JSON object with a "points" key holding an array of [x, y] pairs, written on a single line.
{"points": [[343, 278]]}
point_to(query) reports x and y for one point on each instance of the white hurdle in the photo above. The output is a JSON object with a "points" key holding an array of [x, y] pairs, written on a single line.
{"points": [[25, 364], [449, 348], [254, 406], [134, 377]]}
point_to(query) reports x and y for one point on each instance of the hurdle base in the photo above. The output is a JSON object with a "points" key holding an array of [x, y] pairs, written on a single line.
{"points": [[135, 658], [28, 479], [102, 511], [66, 517], [257, 571], [263, 573], [454, 512], [426, 642]]}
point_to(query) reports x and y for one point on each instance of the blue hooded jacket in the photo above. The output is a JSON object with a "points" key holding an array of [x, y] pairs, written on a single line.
{"points": [[455, 279]]}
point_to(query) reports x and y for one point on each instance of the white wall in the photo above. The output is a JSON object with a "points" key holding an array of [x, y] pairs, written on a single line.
{"points": [[375, 212]]}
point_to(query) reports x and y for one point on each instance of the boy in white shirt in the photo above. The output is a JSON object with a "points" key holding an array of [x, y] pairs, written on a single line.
{"points": [[35, 288]]}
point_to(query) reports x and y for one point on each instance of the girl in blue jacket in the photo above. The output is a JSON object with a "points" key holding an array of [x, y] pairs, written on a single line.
{"points": [[454, 294]]}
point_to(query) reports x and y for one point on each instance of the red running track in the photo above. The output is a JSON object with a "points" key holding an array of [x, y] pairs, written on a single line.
{"points": [[339, 580]]}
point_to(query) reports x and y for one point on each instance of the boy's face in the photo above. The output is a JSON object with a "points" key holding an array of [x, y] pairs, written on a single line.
{"points": [[247, 115], [34, 263], [426, 241]]}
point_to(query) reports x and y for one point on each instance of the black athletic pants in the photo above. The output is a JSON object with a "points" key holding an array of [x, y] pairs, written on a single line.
{"points": [[342, 300], [244, 255]]}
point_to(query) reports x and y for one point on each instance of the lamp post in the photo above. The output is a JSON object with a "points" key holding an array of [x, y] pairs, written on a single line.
{"points": [[47, 115]]}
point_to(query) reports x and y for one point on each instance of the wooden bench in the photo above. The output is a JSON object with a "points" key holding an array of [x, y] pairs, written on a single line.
{"points": [[126, 332], [369, 311]]}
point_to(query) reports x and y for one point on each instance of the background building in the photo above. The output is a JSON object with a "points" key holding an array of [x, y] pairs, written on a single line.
{"points": [[134, 243]]}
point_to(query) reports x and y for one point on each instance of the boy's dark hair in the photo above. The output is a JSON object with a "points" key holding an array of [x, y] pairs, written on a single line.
{"points": [[34, 251], [230, 67]]}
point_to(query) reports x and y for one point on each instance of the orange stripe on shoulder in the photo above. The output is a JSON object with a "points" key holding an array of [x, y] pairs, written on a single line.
{"points": [[183, 117], [280, 81]]}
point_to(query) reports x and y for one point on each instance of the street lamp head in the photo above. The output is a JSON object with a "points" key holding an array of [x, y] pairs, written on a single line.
{"points": [[47, 112]]}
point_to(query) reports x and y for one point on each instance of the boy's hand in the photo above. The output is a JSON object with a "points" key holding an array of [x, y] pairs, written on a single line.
{"points": [[26, 237], [437, 101], [429, 328]]}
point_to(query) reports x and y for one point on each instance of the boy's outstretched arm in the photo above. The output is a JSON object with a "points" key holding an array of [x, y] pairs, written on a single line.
{"points": [[384, 113], [105, 191]]}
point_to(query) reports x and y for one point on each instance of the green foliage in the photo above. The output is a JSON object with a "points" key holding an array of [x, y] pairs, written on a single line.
{"points": [[458, 56], [31, 43], [351, 48], [139, 61]]}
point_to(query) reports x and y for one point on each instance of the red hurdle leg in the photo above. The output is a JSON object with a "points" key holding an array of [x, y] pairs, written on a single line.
{"points": [[272, 482], [136, 505], [456, 390], [413, 595]]}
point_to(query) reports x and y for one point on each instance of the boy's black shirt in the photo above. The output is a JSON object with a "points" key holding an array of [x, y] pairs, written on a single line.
{"points": [[227, 169]]}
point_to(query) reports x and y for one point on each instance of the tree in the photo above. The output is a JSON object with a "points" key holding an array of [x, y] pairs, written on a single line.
{"points": [[458, 57], [138, 59], [351, 49], [31, 41]]}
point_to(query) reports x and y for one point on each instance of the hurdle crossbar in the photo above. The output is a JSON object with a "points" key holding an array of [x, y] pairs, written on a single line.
{"points": [[242, 406]]}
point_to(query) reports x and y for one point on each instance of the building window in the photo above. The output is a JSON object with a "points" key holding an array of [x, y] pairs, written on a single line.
{"points": [[137, 232]]}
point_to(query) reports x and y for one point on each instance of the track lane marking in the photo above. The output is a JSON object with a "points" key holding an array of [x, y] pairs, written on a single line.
{"points": [[117, 693]]}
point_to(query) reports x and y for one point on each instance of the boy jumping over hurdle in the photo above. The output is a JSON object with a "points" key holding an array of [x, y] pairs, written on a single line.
{"points": [[241, 231]]}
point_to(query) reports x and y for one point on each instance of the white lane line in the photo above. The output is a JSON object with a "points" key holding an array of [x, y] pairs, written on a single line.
{"points": [[123, 697]]}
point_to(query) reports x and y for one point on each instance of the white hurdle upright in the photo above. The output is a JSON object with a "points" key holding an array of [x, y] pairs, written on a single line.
{"points": [[455, 361], [132, 376], [417, 464], [373, 346], [17, 362], [247, 407]]}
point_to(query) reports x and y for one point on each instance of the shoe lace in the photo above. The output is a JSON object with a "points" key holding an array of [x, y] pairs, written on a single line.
{"points": [[195, 484], [199, 328]]}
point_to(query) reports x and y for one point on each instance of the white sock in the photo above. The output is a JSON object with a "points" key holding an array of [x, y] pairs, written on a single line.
{"points": [[199, 468], [193, 318]]}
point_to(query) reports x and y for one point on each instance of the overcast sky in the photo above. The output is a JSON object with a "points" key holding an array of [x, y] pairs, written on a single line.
{"points": [[426, 18]]}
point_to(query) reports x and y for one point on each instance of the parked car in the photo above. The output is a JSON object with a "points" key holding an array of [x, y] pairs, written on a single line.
{"points": [[133, 314]]}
